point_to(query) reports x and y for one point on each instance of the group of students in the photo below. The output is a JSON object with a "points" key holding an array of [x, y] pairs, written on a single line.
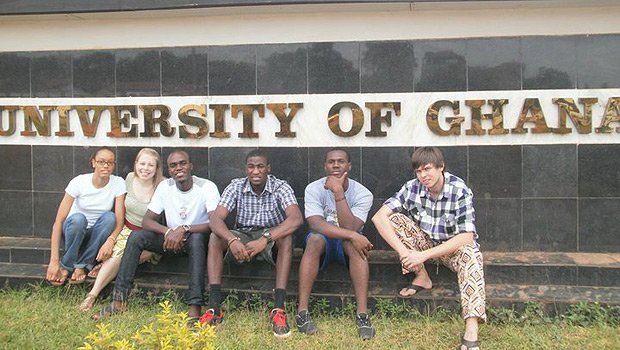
{"points": [[121, 224]]}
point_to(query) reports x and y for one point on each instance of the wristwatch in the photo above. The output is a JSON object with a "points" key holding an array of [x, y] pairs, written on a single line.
{"points": [[267, 235], [186, 227]]}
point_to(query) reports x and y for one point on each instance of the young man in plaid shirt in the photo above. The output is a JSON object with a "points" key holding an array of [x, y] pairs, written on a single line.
{"points": [[432, 218], [267, 216]]}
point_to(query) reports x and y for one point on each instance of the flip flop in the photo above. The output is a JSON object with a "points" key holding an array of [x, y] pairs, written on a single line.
{"points": [[468, 344], [77, 279], [88, 302], [105, 313], [94, 272], [418, 289]]}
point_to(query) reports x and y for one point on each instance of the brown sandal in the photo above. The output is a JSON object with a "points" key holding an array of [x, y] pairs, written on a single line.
{"points": [[94, 272], [78, 278], [88, 302]]}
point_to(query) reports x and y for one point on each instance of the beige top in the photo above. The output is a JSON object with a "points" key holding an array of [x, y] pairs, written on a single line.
{"points": [[135, 209]]}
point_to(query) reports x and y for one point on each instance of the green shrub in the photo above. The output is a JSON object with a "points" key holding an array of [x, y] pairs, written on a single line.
{"points": [[169, 331], [586, 314]]}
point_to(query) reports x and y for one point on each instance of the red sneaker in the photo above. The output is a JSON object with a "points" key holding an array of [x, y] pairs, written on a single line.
{"points": [[211, 319], [280, 326]]}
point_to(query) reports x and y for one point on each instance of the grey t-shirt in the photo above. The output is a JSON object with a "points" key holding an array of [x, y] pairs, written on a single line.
{"points": [[320, 201]]}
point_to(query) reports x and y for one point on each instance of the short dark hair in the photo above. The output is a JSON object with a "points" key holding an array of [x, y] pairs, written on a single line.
{"points": [[257, 153], [340, 149], [102, 148], [180, 152], [427, 155]]}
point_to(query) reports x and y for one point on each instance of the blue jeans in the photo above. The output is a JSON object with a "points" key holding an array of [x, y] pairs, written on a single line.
{"points": [[82, 244], [139, 240]]}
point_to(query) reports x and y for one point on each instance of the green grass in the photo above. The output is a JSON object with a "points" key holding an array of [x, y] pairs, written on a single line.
{"points": [[47, 318]]}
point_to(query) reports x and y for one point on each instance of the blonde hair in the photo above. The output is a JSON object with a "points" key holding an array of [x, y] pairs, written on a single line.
{"points": [[158, 172]]}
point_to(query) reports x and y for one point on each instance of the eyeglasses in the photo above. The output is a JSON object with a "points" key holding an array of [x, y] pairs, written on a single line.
{"points": [[105, 162]]}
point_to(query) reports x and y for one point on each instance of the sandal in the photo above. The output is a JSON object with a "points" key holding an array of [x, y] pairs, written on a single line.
{"points": [[88, 302], [468, 344], [409, 287], [105, 313], [94, 272], [77, 278]]}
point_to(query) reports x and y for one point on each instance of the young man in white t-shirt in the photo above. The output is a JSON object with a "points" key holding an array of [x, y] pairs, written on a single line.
{"points": [[186, 201], [336, 208]]}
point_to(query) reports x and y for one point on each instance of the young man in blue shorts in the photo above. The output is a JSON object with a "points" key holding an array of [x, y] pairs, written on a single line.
{"points": [[336, 208]]}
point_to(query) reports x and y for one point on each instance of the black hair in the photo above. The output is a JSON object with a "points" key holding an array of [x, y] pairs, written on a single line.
{"points": [[334, 149], [257, 153]]}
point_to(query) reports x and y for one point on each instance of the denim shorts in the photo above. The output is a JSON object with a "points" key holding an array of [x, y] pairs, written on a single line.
{"points": [[334, 251]]}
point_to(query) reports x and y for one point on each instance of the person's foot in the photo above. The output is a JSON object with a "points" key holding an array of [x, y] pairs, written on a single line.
{"points": [[469, 344], [60, 281], [419, 283], [78, 276], [109, 310], [87, 303], [95, 271], [364, 327], [305, 324], [211, 319], [279, 324]]}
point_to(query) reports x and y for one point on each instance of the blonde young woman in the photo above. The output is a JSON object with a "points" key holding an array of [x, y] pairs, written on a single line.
{"points": [[141, 184], [85, 221]]}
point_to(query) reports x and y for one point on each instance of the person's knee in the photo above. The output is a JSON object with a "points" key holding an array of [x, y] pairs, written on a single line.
{"points": [[105, 224], [285, 243], [138, 238], [108, 218], [76, 221], [196, 243], [216, 243], [352, 253], [315, 244]]}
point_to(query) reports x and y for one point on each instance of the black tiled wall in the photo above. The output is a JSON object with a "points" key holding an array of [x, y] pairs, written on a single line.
{"points": [[530, 197], [512, 63], [525, 198]]}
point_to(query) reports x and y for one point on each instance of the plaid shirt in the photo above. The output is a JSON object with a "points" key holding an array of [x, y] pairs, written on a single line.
{"points": [[451, 214], [258, 211]]}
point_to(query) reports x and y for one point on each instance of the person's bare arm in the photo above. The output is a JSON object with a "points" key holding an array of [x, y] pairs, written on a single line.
{"points": [[53, 269]]}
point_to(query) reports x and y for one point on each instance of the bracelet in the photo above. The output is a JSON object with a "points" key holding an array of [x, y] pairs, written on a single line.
{"points": [[167, 232], [232, 240], [113, 239], [341, 199]]}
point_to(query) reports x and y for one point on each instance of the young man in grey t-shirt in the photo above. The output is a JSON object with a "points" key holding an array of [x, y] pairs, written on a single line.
{"points": [[336, 208]]}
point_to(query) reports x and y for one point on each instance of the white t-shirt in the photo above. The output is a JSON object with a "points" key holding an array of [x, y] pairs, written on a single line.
{"points": [[321, 201], [91, 201], [190, 207]]}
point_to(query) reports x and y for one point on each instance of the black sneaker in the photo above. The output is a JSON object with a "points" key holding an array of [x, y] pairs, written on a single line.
{"points": [[364, 327], [280, 326], [305, 324]]}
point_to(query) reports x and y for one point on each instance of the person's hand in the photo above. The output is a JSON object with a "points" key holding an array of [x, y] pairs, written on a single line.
{"points": [[255, 247], [336, 184], [238, 250], [413, 260], [54, 272], [105, 252], [174, 240], [361, 244]]}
